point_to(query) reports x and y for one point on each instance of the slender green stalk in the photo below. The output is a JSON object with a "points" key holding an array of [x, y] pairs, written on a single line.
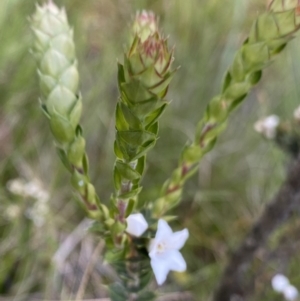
{"points": [[269, 35], [61, 102], [143, 83]]}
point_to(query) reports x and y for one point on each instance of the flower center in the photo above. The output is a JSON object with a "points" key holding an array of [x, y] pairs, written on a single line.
{"points": [[160, 248]]}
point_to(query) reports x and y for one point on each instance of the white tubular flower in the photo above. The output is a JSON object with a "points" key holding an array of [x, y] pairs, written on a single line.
{"points": [[290, 293], [267, 126], [279, 283], [136, 224], [164, 251], [297, 114]]}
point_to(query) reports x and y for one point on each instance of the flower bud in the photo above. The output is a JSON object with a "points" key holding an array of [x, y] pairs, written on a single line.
{"points": [[147, 65], [267, 126], [55, 51], [145, 24], [136, 224]]}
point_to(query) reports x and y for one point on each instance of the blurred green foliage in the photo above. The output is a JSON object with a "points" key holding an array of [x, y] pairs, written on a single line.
{"points": [[234, 182]]}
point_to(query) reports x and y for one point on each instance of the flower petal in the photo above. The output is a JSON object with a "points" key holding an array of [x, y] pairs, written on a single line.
{"points": [[176, 261], [163, 230], [177, 240], [160, 269]]}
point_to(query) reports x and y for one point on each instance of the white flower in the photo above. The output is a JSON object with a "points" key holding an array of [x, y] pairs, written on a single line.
{"points": [[164, 251], [267, 126], [279, 282], [297, 114], [136, 224], [290, 293]]}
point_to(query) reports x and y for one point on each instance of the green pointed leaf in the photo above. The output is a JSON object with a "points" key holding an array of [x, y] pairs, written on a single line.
{"points": [[131, 193], [254, 77], [161, 86], [267, 28], [61, 100], [125, 149], [121, 76], [278, 45], [64, 159], [45, 111], [41, 40], [153, 117], [117, 151], [76, 151], [79, 182], [217, 109], [85, 163], [149, 77], [75, 112], [64, 44], [154, 128], [141, 165], [143, 150], [236, 90], [126, 171], [236, 102], [136, 138], [79, 130], [61, 128], [53, 63], [255, 56], [192, 154], [133, 121], [70, 78], [121, 123], [47, 83], [227, 81], [237, 70], [286, 22], [135, 63], [146, 107], [135, 91], [130, 207], [91, 193], [117, 179]]}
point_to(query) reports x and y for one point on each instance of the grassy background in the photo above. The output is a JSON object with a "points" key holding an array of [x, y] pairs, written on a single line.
{"points": [[219, 205]]}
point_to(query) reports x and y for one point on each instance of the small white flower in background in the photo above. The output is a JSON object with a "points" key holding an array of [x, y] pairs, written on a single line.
{"points": [[290, 293], [16, 186], [39, 210], [164, 251], [297, 114], [12, 212], [279, 282], [267, 126], [136, 224], [30, 189]]}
